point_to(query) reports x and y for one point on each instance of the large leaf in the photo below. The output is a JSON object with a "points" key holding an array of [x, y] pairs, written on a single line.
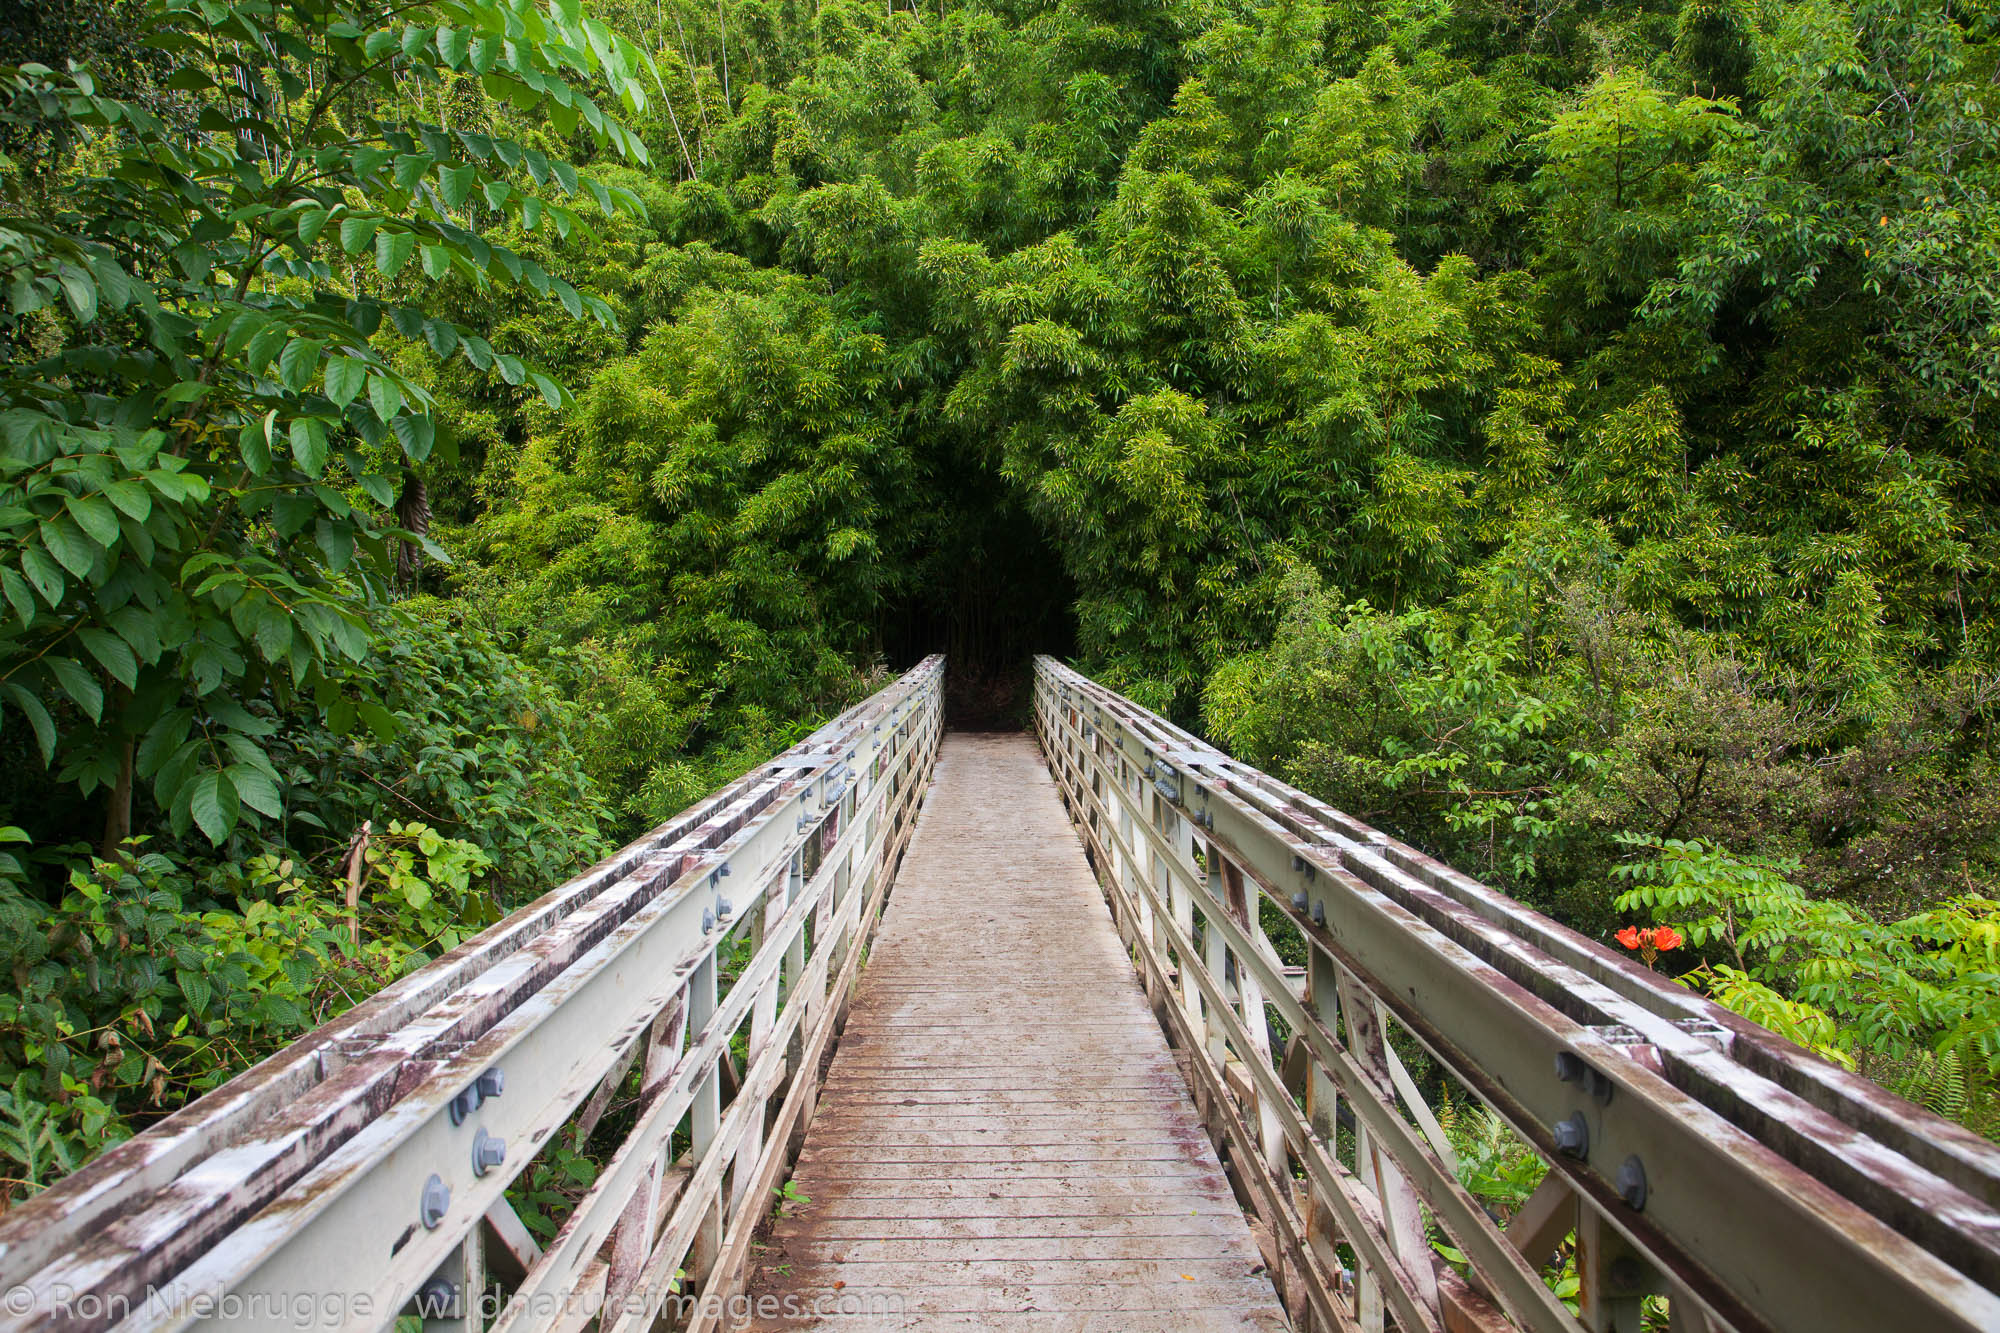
{"points": [[344, 377], [308, 436], [455, 183], [299, 362], [112, 653], [385, 396], [196, 988], [212, 802], [78, 684], [416, 433], [66, 542], [38, 717], [94, 514], [18, 595], [43, 573], [256, 790], [131, 497], [393, 250], [357, 232]]}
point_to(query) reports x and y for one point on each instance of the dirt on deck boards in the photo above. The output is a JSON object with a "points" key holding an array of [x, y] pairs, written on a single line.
{"points": [[1003, 1140]]}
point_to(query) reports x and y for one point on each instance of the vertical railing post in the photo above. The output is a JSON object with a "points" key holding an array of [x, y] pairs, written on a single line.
{"points": [[705, 1119], [1402, 1214], [1243, 904], [1215, 950]]}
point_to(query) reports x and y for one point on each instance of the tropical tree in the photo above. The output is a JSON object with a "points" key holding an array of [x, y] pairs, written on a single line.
{"points": [[207, 459]]}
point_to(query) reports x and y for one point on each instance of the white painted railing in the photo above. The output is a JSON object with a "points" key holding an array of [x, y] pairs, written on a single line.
{"points": [[362, 1172], [1692, 1154]]}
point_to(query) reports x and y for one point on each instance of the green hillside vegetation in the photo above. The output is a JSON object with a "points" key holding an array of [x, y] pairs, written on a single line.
{"points": [[1562, 435]]}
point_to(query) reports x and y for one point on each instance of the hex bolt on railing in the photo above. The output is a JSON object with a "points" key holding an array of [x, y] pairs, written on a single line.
{"points": [[366, 1166], [1690, 1152]]}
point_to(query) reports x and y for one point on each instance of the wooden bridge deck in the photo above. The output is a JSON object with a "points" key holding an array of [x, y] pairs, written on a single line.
{"points": [[1003, 1140]]}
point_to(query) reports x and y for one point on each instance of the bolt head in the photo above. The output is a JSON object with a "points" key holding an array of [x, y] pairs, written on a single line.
{"points": [[487, 1153], [1632, 1182], [1569, 1066], [1572, 1136], [434, 1203], [464, 1104], [491, 1083], [437, 1298]]}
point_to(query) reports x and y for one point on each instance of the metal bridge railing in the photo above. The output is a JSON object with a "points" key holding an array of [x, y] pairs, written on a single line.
{"points": [[361, 1173], [1691, 1153]]}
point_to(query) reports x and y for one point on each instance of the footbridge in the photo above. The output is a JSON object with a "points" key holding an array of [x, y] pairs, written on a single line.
{"points": [[1093, 1028]]}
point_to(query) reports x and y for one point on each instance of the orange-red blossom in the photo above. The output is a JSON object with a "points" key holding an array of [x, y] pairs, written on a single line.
{"points": [[1649, 941]]}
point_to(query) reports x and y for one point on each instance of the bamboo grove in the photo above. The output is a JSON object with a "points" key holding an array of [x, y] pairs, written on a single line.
{"points": [[440, 439]]}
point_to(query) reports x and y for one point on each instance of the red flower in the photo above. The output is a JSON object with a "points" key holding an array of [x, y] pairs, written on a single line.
{"points": [[1629, 937], [1665, 938]]}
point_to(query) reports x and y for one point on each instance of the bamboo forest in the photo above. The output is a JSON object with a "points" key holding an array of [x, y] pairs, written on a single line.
{"points": [[440, 440]]}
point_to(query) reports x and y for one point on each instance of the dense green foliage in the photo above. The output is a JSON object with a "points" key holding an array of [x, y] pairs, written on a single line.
{"points": [[1562, 435]]}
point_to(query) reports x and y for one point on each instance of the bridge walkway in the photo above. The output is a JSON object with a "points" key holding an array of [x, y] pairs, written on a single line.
{"points": [[1003, 1140]]}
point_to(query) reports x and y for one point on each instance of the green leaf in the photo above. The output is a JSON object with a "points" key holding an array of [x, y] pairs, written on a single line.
{"points": [[66, 542], [132, 499], [336, 543], [455, 183], [38, 717], [79, 291], [442, 337], [195, 987], [385, 396], [340, 717], [213, 803], [254, 442], [94, 514], [417, 434], [274, 632], [256, 790], [264, 346], [567, 294], [112, 654], [138, 628], [379, 719], [344, 377], [357, 232], [369, 161], [312, 221], [43, 573], [379, 489], [18, 596], [78, 684], [410, 168], [452, 45], [437, 261], [308, 436], [298, 363], [393, 250]]}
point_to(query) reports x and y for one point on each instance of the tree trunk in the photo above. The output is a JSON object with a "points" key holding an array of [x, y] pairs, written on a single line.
{"points": [[118, 806]]}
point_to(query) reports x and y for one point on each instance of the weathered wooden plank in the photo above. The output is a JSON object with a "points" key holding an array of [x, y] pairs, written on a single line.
{"points": [[923, 1226], [1003, 1131], [1182, 1319]]}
